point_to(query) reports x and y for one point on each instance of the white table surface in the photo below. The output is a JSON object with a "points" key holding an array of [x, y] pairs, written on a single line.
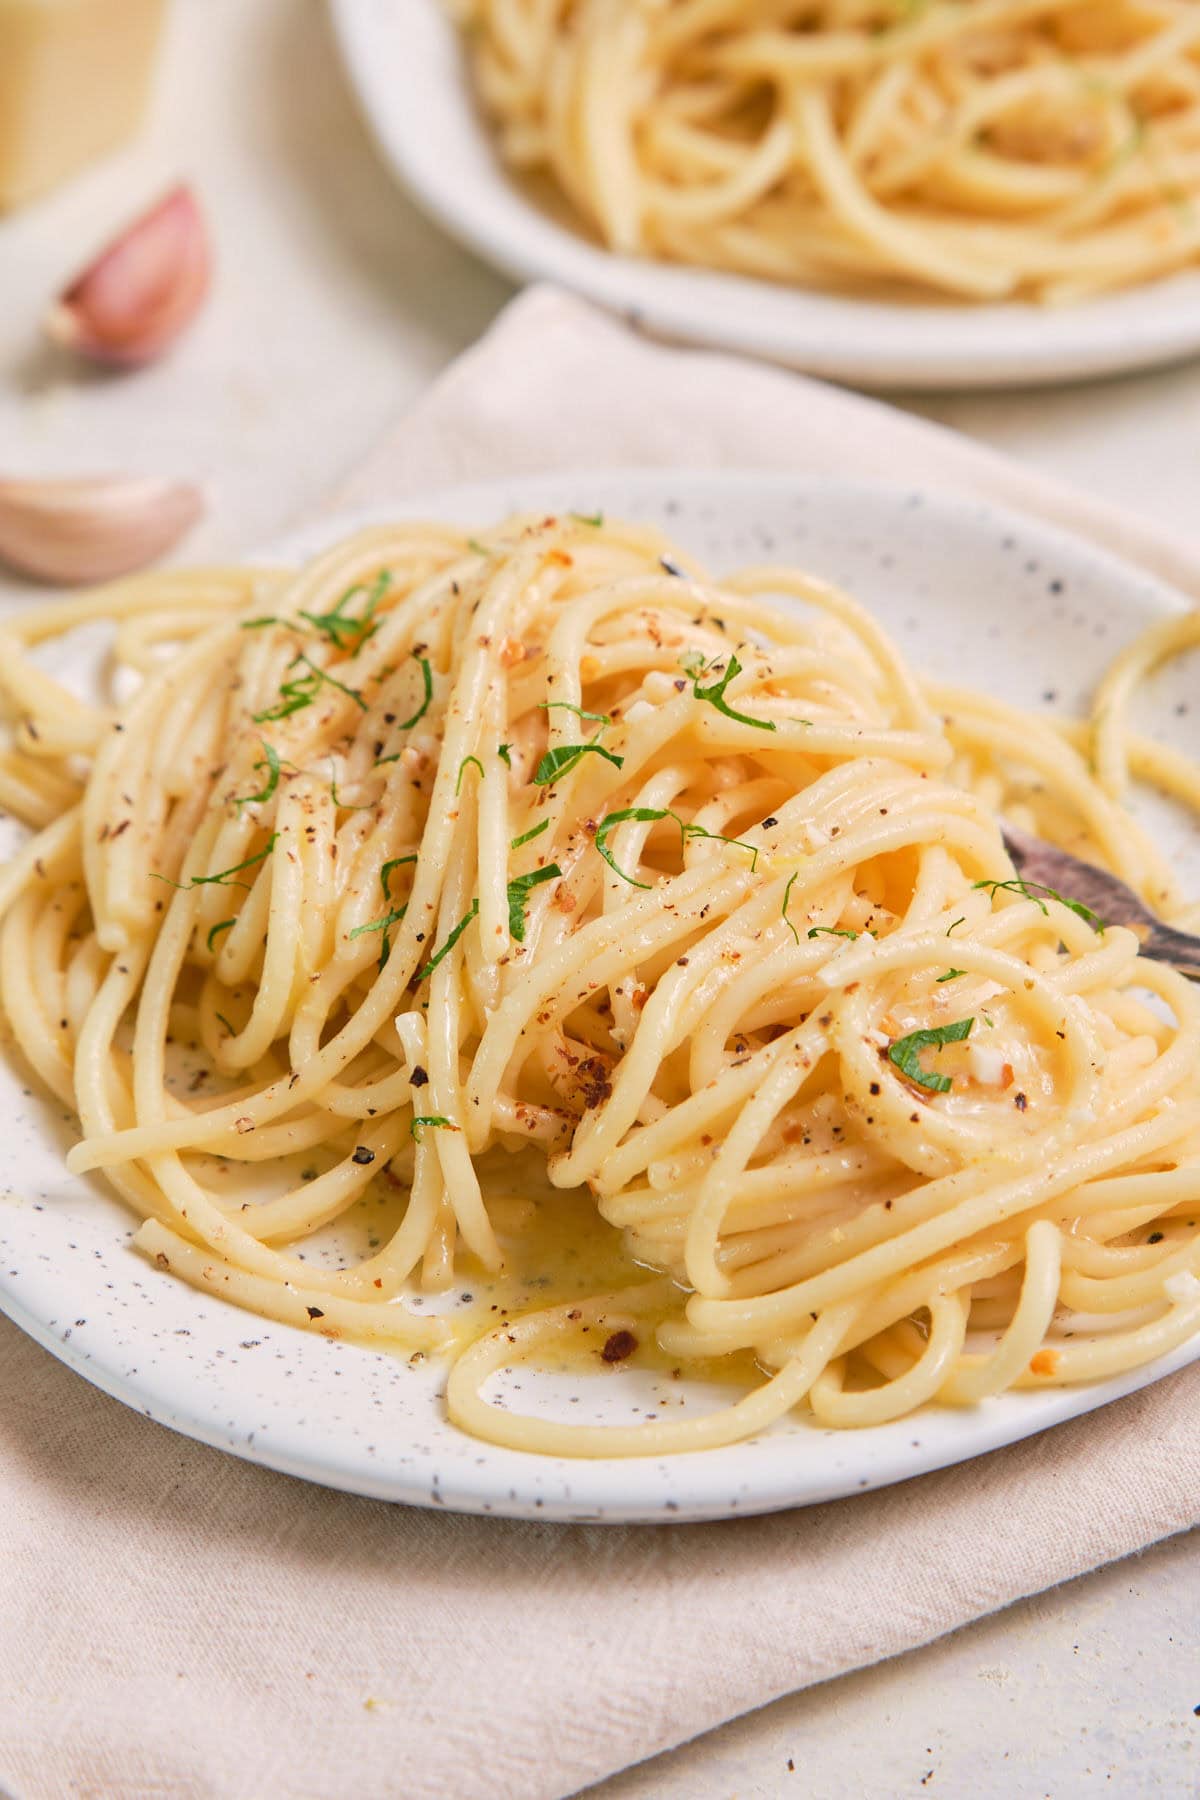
{"points": [[336, 303]]}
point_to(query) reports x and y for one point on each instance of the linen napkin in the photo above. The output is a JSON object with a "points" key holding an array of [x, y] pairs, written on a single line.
{"points": [[174, 1622]]}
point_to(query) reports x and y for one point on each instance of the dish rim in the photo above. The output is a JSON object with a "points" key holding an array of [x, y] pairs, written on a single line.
{"points": [[559, 1488], [921, 346]]}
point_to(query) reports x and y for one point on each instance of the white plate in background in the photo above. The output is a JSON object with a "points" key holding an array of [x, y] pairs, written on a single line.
{"points": [[405, 62], [969, 592]]}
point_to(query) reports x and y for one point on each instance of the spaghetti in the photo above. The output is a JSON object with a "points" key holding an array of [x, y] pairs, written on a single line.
{"points": [[977, 149], [444, 848]]}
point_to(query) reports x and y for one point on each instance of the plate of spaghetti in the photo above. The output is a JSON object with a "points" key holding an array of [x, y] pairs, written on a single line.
{"points": [[521, 1003], [928, 195]]}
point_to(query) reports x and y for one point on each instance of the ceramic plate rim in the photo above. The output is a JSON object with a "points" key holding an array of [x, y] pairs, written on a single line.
{"points": [[420, 114], [645, 1489]]}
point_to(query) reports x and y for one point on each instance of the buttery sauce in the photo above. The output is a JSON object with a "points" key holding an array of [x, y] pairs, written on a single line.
{"points": [[557, 1249]]}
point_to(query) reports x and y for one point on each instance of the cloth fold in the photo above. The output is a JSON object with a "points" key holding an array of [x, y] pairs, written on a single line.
{"points": [[175, 1622]]}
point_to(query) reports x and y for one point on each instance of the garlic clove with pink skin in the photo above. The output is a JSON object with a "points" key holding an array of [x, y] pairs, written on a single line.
{"points": [[89, 530], [142, 290]]}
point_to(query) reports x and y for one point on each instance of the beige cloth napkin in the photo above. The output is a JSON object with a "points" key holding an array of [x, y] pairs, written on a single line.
{"points": [[173, 1622]]}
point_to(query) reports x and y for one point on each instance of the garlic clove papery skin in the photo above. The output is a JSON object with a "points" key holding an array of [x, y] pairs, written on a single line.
{"points": [[142, 290], [89, 530]]}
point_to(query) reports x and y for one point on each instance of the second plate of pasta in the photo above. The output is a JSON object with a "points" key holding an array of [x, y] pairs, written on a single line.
{"points": [[1017, 207]]}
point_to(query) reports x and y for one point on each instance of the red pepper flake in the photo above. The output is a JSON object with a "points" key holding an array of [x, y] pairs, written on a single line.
{"points": [[618, 1346]]}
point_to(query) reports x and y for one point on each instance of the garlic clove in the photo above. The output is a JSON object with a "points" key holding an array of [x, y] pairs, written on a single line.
{"points": [[143, 288], [91, 530]]}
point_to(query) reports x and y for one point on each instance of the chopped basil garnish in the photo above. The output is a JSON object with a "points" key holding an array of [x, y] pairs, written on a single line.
{"points": [[447, 947], [462, 769], [504, 752], [1032, 890], [222, 879], [407, 724], [343, 805], [905, 1053], [351, 633], [715, 694], [527, 837], [950, 975], [216, 931], [427, 695], [383, 924], [394, 862], [562, 759], [787, 893], [830, 931], [596, 519], [418, 1123], [646, 815], [303, 690], [567, 706], [393, 917], [519, 890], [272, 782]]}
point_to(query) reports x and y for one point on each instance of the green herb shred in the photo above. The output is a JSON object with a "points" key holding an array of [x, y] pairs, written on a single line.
{"points": [[1033, 890], [568, 706], [527, 837], [787, 894], [222, 879], [519, 890], [420, 1120], [271, 764], [462, 769], [394, 862], [641, 815], [303, 690], [905, 1053], [352, 633], [715, 695], [216, 931], [447, 947], [426, 697], [830, 931], [562, 759], [645, 815]]}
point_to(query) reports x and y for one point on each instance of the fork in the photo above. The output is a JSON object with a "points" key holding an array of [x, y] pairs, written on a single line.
{"points": [[1108, 897]]}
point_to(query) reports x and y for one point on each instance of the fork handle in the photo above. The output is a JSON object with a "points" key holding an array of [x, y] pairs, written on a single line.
{"points": [[1162, 944]]}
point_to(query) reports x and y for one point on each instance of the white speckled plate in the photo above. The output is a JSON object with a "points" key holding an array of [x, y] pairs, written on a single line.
{"points": [[970, 592], [404, 60]]}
